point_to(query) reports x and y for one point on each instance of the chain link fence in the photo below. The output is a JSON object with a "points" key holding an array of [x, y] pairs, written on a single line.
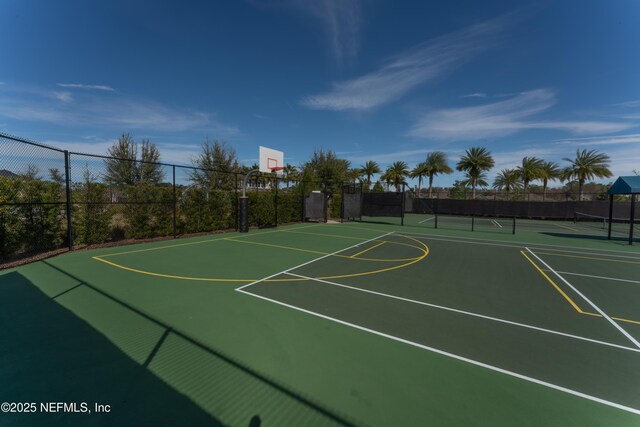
{"points": [[53, 200], [34, 214]]}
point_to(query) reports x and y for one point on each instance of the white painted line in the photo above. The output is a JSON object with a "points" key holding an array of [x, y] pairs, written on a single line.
{"points": [[637, 257], [515, 244], [511, 245], [468, 313], [599, 277], [595, 307], [425, 220], [313, 260], [454, 356]]}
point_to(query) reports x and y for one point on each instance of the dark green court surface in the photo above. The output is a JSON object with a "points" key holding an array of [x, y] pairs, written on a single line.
{"points": [[332, 324]]}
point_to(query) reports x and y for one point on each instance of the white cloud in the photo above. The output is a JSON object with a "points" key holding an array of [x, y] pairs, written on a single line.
{"points": [[629, 104], [341, 21], [633, 138], [115, 111], [502, 118], [83, 86], [410, 156], [513, 158], [169, 152], [404, 72], [62, 96], [475, 95]]}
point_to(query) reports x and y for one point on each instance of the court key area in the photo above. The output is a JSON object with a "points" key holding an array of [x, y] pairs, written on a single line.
{"points": [[335, 324]]}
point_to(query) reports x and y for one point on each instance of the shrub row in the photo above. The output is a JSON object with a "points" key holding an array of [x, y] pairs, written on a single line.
{"points": [[35, 221]]}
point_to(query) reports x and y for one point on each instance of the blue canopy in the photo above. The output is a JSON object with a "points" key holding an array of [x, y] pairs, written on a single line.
{"points": [[626, 185]]}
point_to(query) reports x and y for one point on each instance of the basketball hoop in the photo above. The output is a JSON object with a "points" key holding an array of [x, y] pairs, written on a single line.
{"points": [[276, 169], [271, 161]]}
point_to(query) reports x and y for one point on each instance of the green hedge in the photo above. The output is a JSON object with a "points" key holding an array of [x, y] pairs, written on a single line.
{"points": [[335, 205], [36, 225], [103, 213]]}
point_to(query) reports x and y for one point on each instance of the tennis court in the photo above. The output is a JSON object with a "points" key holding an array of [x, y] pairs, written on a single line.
{"points": [[584, 225], [336, 324]]}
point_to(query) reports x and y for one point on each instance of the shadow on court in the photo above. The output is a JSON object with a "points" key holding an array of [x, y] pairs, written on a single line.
{"points": [[50, 355], [81, 344]]}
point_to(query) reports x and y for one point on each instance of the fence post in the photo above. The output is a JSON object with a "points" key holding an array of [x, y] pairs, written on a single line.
{"points": [[67, 173], [610, 216], [472, 222], [302, 193], [175, 202], [342, 205], [632, 217], [235, 201], [402, 205], [514, 226]]}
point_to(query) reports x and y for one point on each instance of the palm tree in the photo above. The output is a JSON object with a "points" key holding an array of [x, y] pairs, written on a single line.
{"points": [[386, 178], [396, 174], [435, 164], [588, 164], [354, 174], [480, 180], [418, 172], [476, 161], [507, 180], [529, 170], [549, 170], [369, 169]]}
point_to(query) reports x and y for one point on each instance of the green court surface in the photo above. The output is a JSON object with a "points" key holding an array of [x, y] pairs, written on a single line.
{"points": [[332, 324]]}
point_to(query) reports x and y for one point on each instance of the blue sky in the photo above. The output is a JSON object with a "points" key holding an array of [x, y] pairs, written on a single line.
{"points": [[372, 80]]}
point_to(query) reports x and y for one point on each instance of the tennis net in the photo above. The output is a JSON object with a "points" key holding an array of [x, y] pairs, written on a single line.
{"points": [[601, 221]]}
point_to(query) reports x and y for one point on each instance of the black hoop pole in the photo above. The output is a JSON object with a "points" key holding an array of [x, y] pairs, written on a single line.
{"points": [[244, 204], [175, 202], [402, 206], [275, 201], [302, 195]]}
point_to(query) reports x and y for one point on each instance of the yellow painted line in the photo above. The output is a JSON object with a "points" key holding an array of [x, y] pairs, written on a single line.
{"points": [[177, 245], [311, 251], [323, 253], [564, 226], [367, 250], [626, 320], [588, 313], [573, 304], [326, 235], [589, 257], [198, 242], [150, 273], [340, 276], [350, 237], [357, 227], [578, 309]]}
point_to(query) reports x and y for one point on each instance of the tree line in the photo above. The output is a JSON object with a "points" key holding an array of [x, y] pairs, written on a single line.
{"points": [[478, 161], [131, 196], [328, 171]]}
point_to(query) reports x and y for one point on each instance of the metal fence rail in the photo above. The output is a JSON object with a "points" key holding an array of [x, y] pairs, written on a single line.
{"points": [[53, 200]]}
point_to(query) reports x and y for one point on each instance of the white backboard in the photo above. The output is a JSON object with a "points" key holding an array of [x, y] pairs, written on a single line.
{"points": [[270, 159]]}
